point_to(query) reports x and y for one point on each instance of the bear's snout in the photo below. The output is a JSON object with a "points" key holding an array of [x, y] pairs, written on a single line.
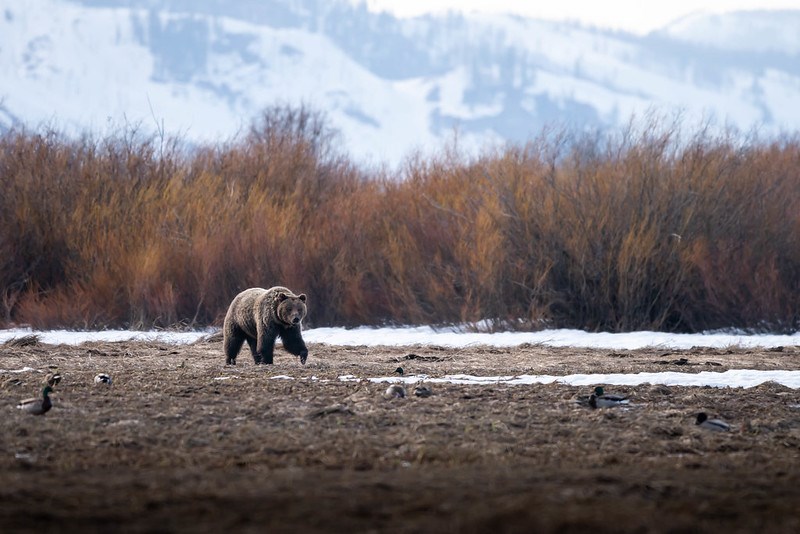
{"points": [[296, 320]]}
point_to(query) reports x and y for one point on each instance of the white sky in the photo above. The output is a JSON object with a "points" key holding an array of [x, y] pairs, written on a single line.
{"points": [[635, 16]]}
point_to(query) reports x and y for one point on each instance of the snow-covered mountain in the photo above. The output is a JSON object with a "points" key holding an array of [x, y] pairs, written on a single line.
{"points": [[205, 68]]}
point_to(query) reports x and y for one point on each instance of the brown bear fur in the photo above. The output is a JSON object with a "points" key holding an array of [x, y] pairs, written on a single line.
{"points": [[259, 316]]}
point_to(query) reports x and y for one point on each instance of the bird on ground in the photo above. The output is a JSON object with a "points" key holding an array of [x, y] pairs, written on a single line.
{"points": [[601, 399], [395, 391], [37, 405], [102, 378], [422, 391], [399, 371], [716, 425], [53, 378]]}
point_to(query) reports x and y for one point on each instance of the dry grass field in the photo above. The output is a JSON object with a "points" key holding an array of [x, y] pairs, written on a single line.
{"points": [[181, 443]]}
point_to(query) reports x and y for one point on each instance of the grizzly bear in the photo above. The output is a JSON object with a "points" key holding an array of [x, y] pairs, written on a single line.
{"points": [[258, 316]]}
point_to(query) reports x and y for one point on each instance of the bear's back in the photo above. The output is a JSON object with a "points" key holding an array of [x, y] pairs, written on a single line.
{"points": [[255, 305], [275, 290], [245, 309]]}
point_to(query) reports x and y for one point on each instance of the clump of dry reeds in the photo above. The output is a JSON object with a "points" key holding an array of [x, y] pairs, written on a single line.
{"points": [[645, 229], [28, 340]]}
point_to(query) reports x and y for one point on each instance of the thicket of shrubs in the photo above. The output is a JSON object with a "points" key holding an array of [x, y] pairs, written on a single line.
{"points": [[642, 229]]}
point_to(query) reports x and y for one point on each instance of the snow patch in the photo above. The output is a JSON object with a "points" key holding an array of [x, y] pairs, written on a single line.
{"points": [[23, 370], [735, 378], [450, 337]]}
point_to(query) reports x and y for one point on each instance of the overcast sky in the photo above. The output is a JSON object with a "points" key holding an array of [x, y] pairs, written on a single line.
{"points": [[630, 15]]}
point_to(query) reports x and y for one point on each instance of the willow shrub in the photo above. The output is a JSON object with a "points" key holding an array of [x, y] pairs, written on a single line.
{"points": [[643, 229]]}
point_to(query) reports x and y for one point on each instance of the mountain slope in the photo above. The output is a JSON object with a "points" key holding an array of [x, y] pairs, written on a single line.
{"points": [[744, 31], [205, 68]]}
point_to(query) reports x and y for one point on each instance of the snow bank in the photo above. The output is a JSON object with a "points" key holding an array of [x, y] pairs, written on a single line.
{"points": [[451, 338]]}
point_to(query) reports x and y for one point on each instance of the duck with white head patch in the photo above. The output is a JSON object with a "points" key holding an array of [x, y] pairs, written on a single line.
{"points": [[601, 399], [102, 379], [715, 425]]}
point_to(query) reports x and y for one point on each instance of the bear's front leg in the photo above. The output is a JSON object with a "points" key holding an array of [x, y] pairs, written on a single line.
{"points": [[266, 346], [294, 344]]}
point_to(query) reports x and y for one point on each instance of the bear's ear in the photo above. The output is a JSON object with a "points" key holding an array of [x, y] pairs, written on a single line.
{"points": [[282, 297], [302, 296]]}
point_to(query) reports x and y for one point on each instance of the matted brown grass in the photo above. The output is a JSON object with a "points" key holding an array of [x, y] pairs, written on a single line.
{"points": [[171, 448]]}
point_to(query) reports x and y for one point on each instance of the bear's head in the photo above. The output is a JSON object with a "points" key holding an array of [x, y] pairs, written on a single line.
{"points": [[291, 308]]}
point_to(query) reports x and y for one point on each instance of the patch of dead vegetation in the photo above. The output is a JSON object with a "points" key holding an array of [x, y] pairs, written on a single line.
{"points": [[181, 442]]}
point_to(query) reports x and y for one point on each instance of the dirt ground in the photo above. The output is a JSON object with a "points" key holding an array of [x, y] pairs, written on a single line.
{"points": [[181, 443]]}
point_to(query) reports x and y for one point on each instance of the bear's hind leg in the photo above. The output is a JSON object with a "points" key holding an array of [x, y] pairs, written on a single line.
{"points": [[232, 344], [252, 344]]}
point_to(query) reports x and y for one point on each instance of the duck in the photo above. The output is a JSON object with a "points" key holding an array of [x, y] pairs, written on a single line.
{"points": [[399, 371], [53, 378], [422, 391], [36, 405], [601, 399], [716, 425], [102, 378], [395, 391]]}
